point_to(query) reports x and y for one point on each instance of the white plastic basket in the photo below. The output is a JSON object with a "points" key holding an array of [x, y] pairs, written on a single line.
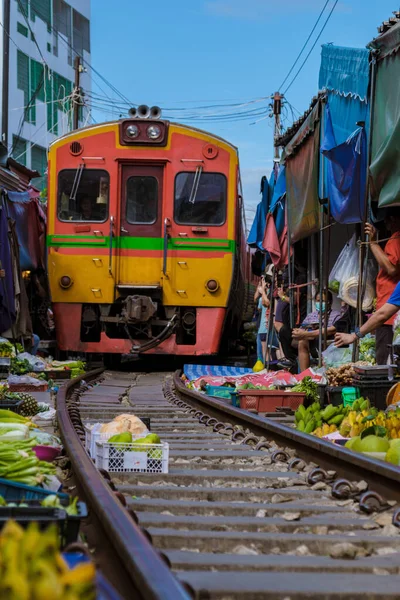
{"points": [[93, 435], [134, 458]]}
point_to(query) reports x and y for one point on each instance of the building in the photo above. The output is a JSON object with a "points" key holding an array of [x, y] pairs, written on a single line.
{"points": [[40, 40]]}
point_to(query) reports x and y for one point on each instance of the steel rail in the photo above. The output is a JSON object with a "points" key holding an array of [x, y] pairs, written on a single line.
{"points": [[148, 574], [384, 478]]}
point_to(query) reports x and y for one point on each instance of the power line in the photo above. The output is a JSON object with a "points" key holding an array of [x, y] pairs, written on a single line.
{"points": [[312, 48], [305, 44], [21, 8]]}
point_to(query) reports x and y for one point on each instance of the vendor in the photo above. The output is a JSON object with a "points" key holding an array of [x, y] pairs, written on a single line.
{"points": [[262, 299], [388, 276], [387, 311], [308, 333]]}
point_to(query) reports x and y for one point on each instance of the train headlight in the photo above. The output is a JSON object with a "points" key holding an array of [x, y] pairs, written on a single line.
{"points": [[212, 285], [65, 282], [153, 132], [132, 131]]}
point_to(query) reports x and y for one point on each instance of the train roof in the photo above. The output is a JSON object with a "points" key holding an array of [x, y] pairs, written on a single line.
{"points": [[95, 126]]}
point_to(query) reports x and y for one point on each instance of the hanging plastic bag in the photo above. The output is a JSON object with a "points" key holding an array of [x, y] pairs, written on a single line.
{"points": [[396, 330], [349, 277], [339, 268]]}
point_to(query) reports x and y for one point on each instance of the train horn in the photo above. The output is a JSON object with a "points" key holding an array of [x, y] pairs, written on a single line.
{"points": [[143, 112], [133, 112], [155, 112]]}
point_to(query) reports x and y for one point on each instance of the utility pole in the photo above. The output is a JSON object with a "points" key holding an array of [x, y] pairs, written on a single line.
{"points": [[277, 108], [77, 96]]}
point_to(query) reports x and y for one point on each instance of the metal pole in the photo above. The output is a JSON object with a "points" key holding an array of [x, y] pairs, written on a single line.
{"points": [[6, 71], [77, 91], [364, 249]]}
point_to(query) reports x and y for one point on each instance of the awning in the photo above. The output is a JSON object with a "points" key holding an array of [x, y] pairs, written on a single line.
{"points": [[346, 170], [385, 151], [256, 235], [301, 156], [31, 229]]}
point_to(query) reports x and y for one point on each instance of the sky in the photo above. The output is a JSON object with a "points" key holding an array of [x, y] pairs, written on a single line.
{"points": [[185, 54]]}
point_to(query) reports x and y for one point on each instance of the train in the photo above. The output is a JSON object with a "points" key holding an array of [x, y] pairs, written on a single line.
{"points": [[146, 243]]}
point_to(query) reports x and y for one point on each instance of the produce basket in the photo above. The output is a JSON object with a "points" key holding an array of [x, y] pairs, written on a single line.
{"points": [[335, 395], [375, 391], [235, 400], [14, 492], [220, 391], [136, 458], [92, 437], [27, 387], [68, 525], [54, 374], [270, 400], [13, 405]]}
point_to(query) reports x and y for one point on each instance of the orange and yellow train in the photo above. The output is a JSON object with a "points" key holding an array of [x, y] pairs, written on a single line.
{"points": [[146, 248]]}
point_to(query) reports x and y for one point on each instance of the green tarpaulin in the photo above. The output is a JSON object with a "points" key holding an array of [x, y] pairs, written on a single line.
{"points": [[301, 157], [385, 151]]}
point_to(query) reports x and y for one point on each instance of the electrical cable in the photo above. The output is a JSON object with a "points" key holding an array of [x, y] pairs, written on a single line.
{"points": [[22, 10], [312, 48], [305, 45]]}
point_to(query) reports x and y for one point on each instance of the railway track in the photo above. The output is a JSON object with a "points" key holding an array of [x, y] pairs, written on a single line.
{"points": [[250, 509]]}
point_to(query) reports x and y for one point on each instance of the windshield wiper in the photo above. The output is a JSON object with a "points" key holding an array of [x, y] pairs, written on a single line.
{"points": [[77, 181], [195, 187]]}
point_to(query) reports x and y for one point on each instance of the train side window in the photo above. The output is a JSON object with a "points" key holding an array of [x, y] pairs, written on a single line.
{"points": [[83, 195], [141, 200], [204, 206]]}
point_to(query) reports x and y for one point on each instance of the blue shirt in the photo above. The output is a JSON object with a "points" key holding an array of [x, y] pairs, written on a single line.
{"points": [[395, 297], [263, 321]]}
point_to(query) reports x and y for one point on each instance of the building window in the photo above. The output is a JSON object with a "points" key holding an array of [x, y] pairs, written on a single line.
{"points": [[23, 6], [39, 163], [48, 47], [42, 10], [22, 29], [19, 147], [81, 33], [23, 75], [62, 22]]}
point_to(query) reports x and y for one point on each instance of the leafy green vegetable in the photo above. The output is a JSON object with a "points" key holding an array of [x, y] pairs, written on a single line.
{"points": [[308, 387]]}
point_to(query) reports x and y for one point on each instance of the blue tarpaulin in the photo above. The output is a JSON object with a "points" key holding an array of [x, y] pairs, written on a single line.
{"points": [[256, 234], [346, 173], [344, 75], [30, 229]]}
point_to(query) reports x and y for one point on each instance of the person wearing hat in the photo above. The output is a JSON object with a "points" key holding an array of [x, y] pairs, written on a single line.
{"points": [[388, 276]]}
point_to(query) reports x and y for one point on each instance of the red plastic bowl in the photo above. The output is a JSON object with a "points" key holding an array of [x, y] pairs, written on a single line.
{"points": [[47, 453]]}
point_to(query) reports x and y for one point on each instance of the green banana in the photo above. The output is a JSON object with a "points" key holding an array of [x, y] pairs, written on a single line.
{"points": [[310, 426], [319, 423], [329, 412], [302, 411], [297, 416], [365, 405], [336, 420], [301, 425]]}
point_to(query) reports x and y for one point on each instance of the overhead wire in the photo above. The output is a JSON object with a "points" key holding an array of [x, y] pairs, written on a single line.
{"points": [[312, 48], [304, 45], [22, 10]]}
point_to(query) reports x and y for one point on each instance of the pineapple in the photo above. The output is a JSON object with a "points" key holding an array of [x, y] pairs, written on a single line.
{"points": [[30, 406]]}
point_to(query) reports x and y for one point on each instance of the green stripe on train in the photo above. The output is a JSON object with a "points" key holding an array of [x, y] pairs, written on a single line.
{"points": [[140, 243]]}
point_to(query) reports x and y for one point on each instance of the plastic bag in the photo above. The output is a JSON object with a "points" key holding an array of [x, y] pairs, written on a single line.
{"points": [[340, 267], [25, 380], [37, 364], [335, 357], [396, 330]]}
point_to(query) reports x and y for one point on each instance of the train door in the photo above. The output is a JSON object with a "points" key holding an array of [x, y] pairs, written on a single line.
{"points": [[141, 225]]}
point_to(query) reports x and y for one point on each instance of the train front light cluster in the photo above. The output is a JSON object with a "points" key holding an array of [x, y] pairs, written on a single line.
{"points": [[132, 131], [153, 132]]}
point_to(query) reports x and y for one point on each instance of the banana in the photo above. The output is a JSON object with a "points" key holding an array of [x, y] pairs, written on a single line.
{"points": [[83, 574], [310, 426], [301, 425], [336, 420]]}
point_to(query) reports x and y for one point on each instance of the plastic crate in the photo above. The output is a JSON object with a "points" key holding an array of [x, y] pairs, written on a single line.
{"points": [[13, 491], [375, 391], [270, 400], [334, 395], [13, 405], [235, 400], [65, 374], [26, 387], [220, 391], [68, 525], [92, 437], [135, 458]]}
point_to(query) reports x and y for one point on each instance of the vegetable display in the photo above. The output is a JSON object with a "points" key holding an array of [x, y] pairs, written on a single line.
{"points": [[340, 376], [32, 567], [317, 421], [19, 463], [308, 387], [20, 366]]}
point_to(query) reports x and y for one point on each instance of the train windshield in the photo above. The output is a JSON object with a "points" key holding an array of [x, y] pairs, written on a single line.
{"points": [[207, 207], [83, 195], [141, 200]]}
